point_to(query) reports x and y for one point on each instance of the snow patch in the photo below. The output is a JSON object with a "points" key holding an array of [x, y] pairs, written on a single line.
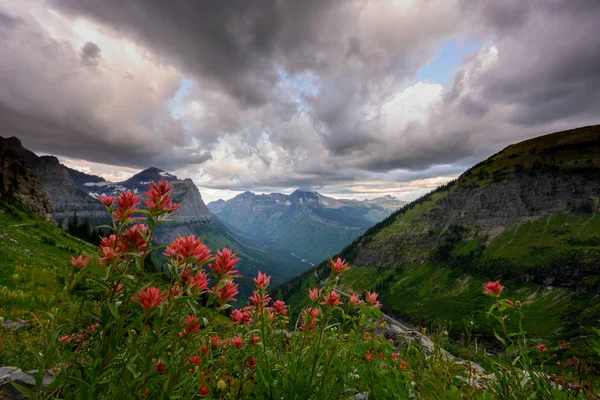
{"points": [[104, 183]]}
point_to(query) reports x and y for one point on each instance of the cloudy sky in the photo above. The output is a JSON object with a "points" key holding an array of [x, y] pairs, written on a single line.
{"points": [[352, 98]]}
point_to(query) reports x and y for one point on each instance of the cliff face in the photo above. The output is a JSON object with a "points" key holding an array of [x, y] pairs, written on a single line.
{"points": [[546, 188], [20, 182], [60, 187]]}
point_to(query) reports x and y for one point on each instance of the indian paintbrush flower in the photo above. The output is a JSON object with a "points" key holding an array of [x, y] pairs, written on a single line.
{"points": [[224, 263], [227, 292], [338, 266], [80, 263], [159, 201], [314, 294], [127, 204], [371, 299], [262, 281], [279, 307], [188, 249], [493, 288], [149, 298]]}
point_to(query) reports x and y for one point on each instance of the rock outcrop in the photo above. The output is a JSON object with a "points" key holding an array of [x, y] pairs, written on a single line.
{"points": [[20, 182]]}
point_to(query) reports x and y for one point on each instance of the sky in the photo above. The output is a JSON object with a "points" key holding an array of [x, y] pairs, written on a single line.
{"points": [[353, 98]]}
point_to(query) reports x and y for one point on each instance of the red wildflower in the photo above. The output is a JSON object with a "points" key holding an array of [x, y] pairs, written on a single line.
{"points": [[161, 367], [149, 298], [395, 356], [309, 318], [110, 250], [542, 348], [127, 204], [510, 303], [239, 317], [203, 350], [339, 266], [372, 299], [255, 340], [403, 364], [215, 341], [203, 391], [199, 282], [194, 360], [224, 264], [493, 288], [355, 299], [227, 292], [314, 294], [251, 363], [370, 356], [174, 292], [93, 327], [79, 263], [262, 281], [132, 240], [332, 300], [237, 342], [257, 299], [65, 339], [188, 249], [279, 307], [192, 325], [108, 201], [159, 201]]}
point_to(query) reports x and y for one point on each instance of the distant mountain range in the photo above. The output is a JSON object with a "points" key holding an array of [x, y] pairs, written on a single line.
{"points": [[527, 216], [279, 234], [305, 223]]}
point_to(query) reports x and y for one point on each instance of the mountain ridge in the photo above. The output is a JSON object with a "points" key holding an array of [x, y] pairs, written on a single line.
{"points": [[527, 216], [306, 223]]}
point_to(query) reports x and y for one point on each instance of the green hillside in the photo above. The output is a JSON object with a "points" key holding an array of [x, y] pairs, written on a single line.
{"points": [[34, 259], [527, 216]]}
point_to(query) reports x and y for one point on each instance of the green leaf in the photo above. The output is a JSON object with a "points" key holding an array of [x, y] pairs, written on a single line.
{"points": [[113, 310], [24, 391], [247, 388]]}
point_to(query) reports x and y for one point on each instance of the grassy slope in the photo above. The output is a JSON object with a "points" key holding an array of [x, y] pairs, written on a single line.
{"points": [[432, 291], [34, 258], [35, 254]]}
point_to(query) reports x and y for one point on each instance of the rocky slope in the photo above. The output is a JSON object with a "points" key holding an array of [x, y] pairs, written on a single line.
{"points": [[19, 182], [307, 224], [60, 187], [528, 216]]}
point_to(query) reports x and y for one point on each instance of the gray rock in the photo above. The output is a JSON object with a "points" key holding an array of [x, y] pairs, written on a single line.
{"points": [[18, 323]]}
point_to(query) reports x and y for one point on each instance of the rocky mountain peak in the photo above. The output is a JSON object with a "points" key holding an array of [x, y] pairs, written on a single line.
{"points": [[152, 174]]}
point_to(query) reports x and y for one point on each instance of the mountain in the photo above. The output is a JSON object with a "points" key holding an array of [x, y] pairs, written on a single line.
{"points": [[184, 192], [527, 216], [71, 191], [60, 187], [305, 223], [18, 182]]}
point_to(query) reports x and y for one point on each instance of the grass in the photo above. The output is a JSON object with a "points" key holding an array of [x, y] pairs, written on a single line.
{"points": [[434, 296], [35, 259]]}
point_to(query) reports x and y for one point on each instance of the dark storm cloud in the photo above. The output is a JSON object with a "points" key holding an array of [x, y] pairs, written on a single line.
{"points": [[90, 53], [232, 43], [289, 93], [549, 52]]}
